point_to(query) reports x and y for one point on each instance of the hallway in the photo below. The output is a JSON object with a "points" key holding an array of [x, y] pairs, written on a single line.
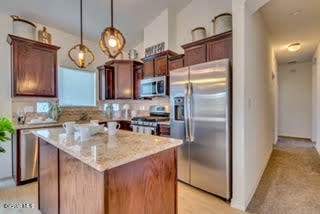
{"points": [[291, 181]]}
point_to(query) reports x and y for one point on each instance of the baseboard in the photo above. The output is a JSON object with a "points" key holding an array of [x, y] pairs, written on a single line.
{"points": [[238, 205], [258, 181], [295, 138]]}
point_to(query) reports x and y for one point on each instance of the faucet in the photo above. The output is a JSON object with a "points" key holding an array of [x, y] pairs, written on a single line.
{"points": [[84, 116]]}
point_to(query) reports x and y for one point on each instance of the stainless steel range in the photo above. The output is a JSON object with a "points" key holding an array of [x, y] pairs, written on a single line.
{"points": [[150, 124]]}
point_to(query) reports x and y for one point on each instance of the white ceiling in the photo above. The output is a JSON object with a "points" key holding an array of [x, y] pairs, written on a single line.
{"points": [[286, 28], [130, 16]]}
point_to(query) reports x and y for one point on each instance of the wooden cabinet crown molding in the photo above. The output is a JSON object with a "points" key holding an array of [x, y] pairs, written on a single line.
{"points": [[206, 40], [12, 38]]}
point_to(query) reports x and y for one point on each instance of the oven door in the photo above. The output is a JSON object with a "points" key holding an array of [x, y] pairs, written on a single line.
{"points": [[161, 87], [148, 88]]}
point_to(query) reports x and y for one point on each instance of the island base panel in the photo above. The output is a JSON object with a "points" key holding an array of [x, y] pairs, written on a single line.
{"points": [[48, 178]]}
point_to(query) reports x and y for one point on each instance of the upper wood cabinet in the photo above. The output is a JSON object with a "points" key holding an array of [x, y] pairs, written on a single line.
{"points": [[138, 76], [212, 48], [148, 68], [195, 55], [106, 82], [157, 65], [118, 79], [176, 62], [219, 49], [34, 67]]}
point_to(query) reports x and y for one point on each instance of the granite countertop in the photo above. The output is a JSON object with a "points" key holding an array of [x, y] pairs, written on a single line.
{"points": [[103, 152], [59, 123]]}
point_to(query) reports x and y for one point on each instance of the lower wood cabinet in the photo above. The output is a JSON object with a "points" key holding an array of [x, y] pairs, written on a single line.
{"points": [[48, 185], [164, 130], [125, 125]]}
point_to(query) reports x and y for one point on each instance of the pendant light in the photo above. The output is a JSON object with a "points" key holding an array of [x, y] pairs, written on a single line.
{"points": [[80, 54], [112, 41]]}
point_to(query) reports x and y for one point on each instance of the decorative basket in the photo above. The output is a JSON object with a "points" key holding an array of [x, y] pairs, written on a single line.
{"points": [[23, 28], [222, 23], [198, 33]]}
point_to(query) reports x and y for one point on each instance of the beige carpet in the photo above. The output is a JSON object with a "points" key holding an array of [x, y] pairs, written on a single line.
{"points": [[291, 181]]}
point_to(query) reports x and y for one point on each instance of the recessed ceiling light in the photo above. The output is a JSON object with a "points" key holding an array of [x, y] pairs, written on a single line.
{"points": [[295, 12], [294, 47]]}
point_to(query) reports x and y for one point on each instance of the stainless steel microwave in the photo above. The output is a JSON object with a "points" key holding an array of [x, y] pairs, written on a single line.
{"points": [[154, 87]]}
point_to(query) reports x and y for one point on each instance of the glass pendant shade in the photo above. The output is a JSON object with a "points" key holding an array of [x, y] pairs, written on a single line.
{"points": [[80, 54], [112, 40]]}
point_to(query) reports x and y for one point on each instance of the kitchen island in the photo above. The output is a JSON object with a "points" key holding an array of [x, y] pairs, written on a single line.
{"points": [[125, 173]]}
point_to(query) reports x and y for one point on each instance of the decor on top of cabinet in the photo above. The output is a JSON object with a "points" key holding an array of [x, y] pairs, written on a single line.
{"points": [[222, 23], [112, 40], [44, 36], [80, 54], [23, 28], [133, 54], [198, 33], [155, 49]]}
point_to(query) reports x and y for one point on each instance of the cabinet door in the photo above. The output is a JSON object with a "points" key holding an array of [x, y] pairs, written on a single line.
{"points": [[164, 130], [110, 84], [220, 49], [176, 63], [124, 80], [48, 178], [34, 70], [195, 55], [161, 66], [138, 76], [102, 83], [148, 69]]}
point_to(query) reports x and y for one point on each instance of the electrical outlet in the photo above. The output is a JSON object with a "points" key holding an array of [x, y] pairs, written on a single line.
{"points": [[28, 109]]}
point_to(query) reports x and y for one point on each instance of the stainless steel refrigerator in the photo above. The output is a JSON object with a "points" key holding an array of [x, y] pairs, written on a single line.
{"points": [[200, 98]]}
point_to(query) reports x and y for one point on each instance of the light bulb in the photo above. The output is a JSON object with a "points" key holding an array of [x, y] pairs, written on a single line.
{"points": [[81, 56], [112, 41]]}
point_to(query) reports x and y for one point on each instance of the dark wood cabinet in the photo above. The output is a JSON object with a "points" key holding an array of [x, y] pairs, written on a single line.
{"points": [[124, 79], [164, 130], [106, 82], [212, 48], [161, 66], [195, 55], [148, 69], [219, 49], [48, 186], [125, 125], [138, 76], [118, 79], [176, 62], [34, 67], [157, 65]]}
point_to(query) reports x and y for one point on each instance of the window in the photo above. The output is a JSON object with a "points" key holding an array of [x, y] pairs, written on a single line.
{"points": [[77, 87], [43, 107]]}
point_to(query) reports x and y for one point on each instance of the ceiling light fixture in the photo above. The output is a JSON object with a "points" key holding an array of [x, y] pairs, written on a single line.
{"points": [[295, 12], [294, 47], [112, 40], [80, 54]]}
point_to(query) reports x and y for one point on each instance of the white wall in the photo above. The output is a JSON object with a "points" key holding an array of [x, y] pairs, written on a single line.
{"points": [[316, 103], [158, 30], [259, 95], [295, 100], [199, 13], [254, 102], [59, 38], [5, 90]]}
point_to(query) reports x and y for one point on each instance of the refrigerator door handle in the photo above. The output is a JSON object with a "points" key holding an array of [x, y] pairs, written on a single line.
{"points": [[186, 112], [191, 119]]}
